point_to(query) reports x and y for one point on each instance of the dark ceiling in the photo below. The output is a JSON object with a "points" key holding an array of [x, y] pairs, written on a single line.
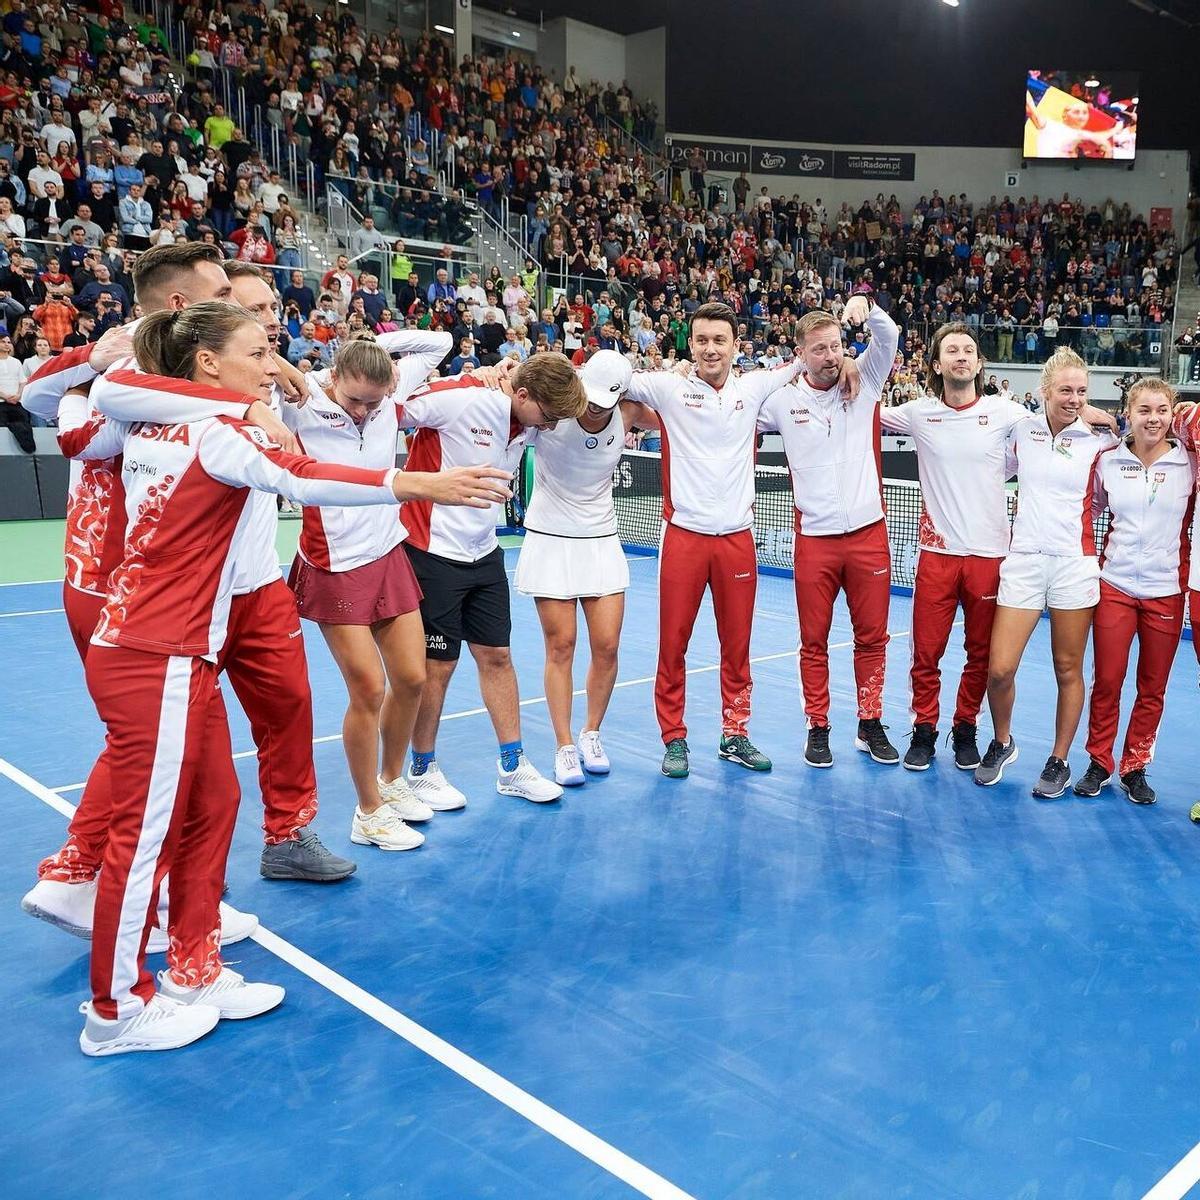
{"points": [[620, 16], [1186, 12]]}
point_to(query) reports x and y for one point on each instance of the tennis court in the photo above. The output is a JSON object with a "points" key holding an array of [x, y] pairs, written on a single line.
{"points": [[820, 984]]}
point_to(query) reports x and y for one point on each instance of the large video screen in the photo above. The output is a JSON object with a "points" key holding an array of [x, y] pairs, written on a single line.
{"points": [[1081, 114]]}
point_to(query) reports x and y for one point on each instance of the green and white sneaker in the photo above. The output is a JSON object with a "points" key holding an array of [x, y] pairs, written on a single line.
{"points": [[675, 761], [741, 750]]}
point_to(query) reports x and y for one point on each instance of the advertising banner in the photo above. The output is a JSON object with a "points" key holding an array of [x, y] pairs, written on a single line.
{"points": [[728, 158], [868, 164]]}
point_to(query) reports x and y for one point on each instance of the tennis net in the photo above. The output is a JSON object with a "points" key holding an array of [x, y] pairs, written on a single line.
{"points": [[637, 494]]}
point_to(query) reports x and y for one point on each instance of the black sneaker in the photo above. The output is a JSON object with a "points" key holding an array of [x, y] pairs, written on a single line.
{"points": [[966, 749], [992, 764], [304, 857], [1094, 779], [873, 740], [923, 747], [1134, 785], [817, 752], [1054, 780]]}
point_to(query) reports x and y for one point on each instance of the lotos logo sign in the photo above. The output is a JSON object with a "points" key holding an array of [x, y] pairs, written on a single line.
{"points": [[770, 161], [810, 163]]}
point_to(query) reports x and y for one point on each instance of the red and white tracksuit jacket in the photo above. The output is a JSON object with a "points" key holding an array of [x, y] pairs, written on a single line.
{"points": [[264, 655], [1143, 572], [841, 543], [93, 539], [341, 539], [460, 423], [152, 671], [708, 437], [963, 537]]}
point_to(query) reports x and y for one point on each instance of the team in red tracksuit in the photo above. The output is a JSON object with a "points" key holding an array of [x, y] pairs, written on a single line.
{"points": [[1143, 572], [708, 437], [263, 654], [152, 671], [833, 452], [962, 538]]}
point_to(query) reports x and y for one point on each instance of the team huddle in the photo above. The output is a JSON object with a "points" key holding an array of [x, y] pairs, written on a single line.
{"points": [[183, 428]]}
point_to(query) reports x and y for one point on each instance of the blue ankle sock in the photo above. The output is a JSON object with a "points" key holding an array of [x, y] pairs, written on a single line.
{"points": [[421, 761], [510, 753]]}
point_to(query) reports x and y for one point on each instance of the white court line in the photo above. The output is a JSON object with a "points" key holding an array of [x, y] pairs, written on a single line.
{"points": [[476, 712], [29, 582], [34, 612], [1179, 1180], [549, 1120]]}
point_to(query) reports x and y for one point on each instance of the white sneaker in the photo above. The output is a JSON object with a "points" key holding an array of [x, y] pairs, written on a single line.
{"points": [[567, 770], [383, 828], [591, 753], [70, 906], [236, 926], [399, 795], [435, 790], [229, 994], [527, 782], [164, 1024]]}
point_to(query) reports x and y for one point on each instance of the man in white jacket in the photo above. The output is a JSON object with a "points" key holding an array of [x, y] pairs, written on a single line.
{"points": [[841, 544]]}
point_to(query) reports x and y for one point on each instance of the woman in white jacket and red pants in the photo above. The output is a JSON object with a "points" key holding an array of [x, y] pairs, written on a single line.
{"points": [[1147, 483]]}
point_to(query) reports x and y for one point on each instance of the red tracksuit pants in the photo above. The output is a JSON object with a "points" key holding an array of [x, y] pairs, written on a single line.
{"points": [[859, 564], [175, 798], [264, 659], [1157, 625], [945, 581], [690, 562]]}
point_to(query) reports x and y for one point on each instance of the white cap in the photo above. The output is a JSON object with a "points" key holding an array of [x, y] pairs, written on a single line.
{"points": [[606, 378]]}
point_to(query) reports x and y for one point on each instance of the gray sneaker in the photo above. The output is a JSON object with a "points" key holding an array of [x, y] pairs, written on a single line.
{"points": [[304, 857], [1054, 780], [991, 766]]}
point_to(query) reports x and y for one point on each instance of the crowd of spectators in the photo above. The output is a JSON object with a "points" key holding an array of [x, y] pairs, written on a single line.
{"points": [[106, 149]]}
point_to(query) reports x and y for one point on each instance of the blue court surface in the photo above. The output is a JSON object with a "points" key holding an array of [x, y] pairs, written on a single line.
{"points": [[857, 984]]}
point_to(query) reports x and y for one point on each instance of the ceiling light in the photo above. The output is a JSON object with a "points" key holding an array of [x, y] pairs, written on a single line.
{"points": [[515, 33], [1091, 81], [443, 29], [951, 3]]}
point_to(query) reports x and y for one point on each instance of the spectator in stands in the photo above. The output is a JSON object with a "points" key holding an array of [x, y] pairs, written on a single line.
{"points": [[306, 348], [57, 318], [466, 357], [12, 414], [441, 288], [373, 300], [299, 293]]}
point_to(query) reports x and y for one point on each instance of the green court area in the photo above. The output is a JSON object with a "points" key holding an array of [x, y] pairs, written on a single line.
{"points": [[33, 550]]}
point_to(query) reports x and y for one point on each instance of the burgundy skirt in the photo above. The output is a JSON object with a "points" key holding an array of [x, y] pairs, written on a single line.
{"points": [[376, 591]]}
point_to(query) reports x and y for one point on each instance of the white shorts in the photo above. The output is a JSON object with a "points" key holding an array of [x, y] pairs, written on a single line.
{"points": [[569, 568], [1049, 581]]}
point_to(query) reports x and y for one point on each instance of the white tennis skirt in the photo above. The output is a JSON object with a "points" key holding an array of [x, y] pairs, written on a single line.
{"points": [[571, 568]]}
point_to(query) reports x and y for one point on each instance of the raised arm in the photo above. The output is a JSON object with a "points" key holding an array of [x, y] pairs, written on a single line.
{"points": [[896, 418], [653, 388], [84, 433], [876, 363], [131, 395], [640, 416], [45, 388], [243, 455]]}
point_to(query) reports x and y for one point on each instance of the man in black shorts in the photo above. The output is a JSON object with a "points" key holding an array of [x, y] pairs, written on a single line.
{"points": [[460, 565]]}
